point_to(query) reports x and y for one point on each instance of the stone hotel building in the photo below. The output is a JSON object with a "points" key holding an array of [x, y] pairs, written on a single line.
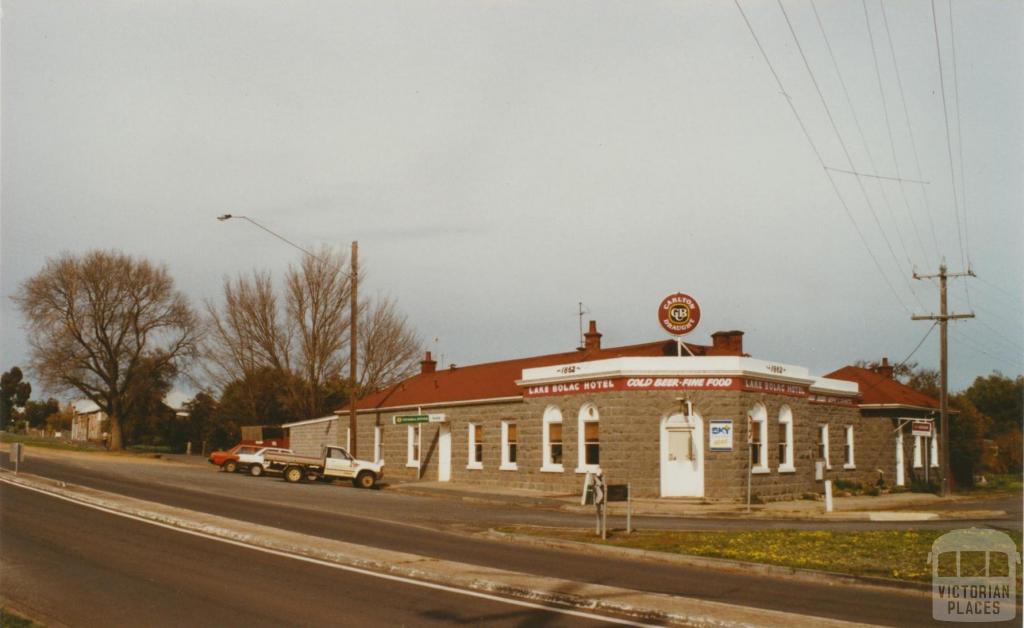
{"points": [[670, 426]]}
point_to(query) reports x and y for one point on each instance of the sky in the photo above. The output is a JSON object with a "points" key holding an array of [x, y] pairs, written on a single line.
{"points": [[500, 162]]}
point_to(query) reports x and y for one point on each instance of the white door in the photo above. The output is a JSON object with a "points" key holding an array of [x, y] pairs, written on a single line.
{"points": [[682, 456], [338, 463], [444, 454]]}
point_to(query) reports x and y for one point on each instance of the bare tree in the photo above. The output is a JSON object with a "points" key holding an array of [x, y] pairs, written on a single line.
{"points": [[94, 322], [389, 349], [318, 295], [303, 336]]}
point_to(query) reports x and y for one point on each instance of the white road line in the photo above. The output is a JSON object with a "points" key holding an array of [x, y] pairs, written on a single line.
{"points": [[324, 563]]}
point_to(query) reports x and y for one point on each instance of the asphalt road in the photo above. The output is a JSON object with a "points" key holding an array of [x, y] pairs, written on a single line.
{"points": [[379, 519], [66, 564]]}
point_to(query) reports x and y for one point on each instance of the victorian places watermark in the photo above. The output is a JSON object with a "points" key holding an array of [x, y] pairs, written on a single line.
{"points": [[974, 576]]}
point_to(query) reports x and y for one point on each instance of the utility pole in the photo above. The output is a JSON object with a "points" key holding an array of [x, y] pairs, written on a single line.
{"points": [[353, 347], [943, 318]]}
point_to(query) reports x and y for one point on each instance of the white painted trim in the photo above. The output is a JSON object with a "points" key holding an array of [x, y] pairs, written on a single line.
{"points": [[787, 469], [506, 464], [471, 448], [553, 468], [918, 454], [823, 437], [849, 466], [852, 464], [786, 418], [410, 430], [581, 449], [436, 404], [760, 470], [552, 416], [935, 450]]}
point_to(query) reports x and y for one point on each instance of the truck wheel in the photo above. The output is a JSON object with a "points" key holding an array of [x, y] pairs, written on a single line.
{"points": [[293, 474], [256, 470], [230, 466], [366, 479]]}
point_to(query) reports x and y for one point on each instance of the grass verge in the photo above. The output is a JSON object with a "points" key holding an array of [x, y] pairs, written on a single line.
{"points": [[899, 554], [9, 619], [49, 443]]}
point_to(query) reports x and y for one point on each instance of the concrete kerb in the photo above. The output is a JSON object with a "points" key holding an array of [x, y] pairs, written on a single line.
{"points": [[643, 606], [726, 564]]}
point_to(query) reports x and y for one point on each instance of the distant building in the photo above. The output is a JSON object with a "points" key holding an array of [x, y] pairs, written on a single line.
{"points": [[89, 423]]}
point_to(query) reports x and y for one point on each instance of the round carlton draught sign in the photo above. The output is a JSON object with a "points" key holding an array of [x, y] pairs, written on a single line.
{"points": [[679, 314]]}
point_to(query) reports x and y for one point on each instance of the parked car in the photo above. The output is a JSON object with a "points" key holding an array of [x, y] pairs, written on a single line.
{"points": [[227, 460], [333, 462], [254, 462]]}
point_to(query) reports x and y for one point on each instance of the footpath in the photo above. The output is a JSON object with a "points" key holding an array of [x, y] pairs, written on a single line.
{"points": [[890, 507], [639, 606]]}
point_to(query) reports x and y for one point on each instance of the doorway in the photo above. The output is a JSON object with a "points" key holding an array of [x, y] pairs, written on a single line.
{"points": [[444, 453], [682, 456]]}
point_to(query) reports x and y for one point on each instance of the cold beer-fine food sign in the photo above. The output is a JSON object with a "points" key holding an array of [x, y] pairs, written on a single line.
{"points": [[679, 314]]}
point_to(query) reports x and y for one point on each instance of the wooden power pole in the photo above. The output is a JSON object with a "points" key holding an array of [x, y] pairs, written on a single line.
{"points": [[943, 318], [353, 349]]}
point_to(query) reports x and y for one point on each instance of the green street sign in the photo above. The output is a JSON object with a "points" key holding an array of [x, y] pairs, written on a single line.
{"points": [[411, 418]]}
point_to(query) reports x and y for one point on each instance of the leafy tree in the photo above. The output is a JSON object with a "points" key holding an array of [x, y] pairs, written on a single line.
{"points": [[36, 413], [146, 418], [13, 393], [1001, 398], [967, 428], [94, 321], [61, 421], [208, 426]]}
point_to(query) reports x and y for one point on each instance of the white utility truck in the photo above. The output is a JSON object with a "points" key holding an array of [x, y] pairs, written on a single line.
{"points": [[255, 462], [333, 462]]}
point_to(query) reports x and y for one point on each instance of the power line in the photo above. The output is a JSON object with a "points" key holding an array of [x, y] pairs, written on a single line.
{"points": [[910, 129], [817, 153], [960, 145], [888, 128], [974, 345], [949, 144], [860, 130], [846, 152], [1016, 299]]}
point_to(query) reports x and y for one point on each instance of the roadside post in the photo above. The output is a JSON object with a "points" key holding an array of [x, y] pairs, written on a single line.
{"points": [[750, 457], [623, 493], [17, 455], [828, 495], [601, 502]]}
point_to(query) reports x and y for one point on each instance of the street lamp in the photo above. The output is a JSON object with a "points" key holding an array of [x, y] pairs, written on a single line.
{"points": [[353, 322]]}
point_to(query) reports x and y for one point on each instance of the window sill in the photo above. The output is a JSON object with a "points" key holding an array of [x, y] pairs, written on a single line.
{"points": [[760, 470], [509, 467], [412, 465], [552, 468], [787, 468], [475, 466], [590, 468], [849, 466]]}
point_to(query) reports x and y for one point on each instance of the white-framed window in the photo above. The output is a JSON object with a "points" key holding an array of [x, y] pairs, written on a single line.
{"points": [[509, 445], [848, 459], [589, 439], [823, 446], [412, 457], [378, 442], [758, 416], [935, 450], [786, 440], [917, 453], [552, 441], [475, 456]]}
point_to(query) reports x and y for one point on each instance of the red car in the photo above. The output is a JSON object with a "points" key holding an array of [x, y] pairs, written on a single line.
{"points": [[227, 460]]}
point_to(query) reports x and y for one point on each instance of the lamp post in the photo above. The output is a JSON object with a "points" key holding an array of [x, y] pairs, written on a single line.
{"points": [[353, 322]]}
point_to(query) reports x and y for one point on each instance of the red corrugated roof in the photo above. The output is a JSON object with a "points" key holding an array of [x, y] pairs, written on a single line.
{"points": [[877, 389], [498, 379]]}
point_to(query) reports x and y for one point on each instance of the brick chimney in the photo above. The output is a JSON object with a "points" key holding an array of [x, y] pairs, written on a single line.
{"points": [[727, 343], [592, 339], [428, 364], [884, 369]]}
